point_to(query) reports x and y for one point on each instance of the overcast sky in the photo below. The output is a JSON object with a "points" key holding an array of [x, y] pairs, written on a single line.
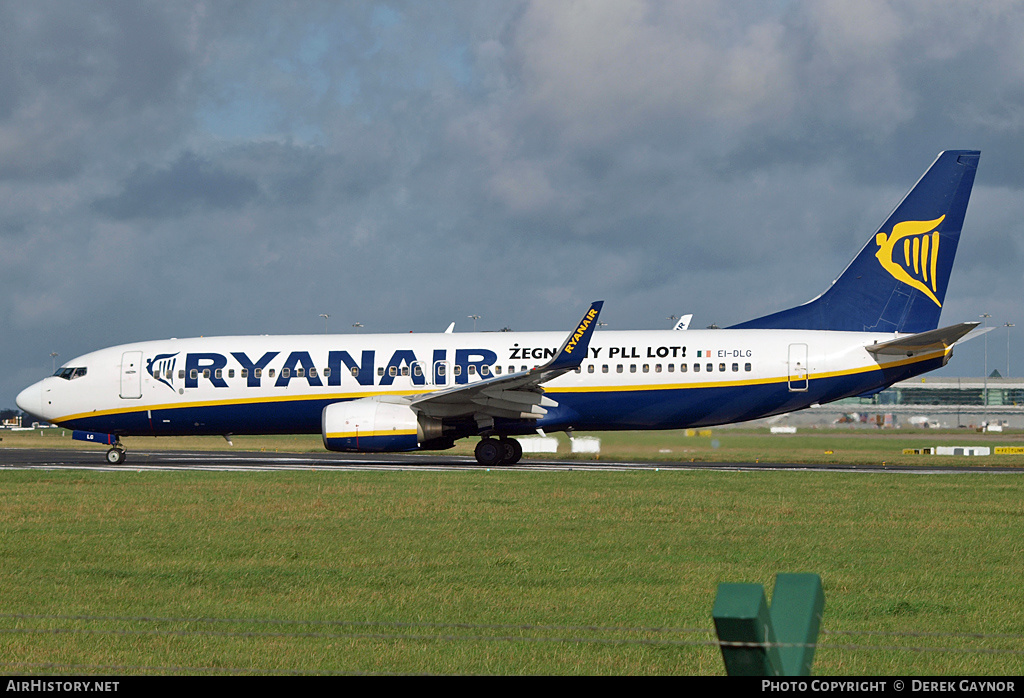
{"points": [[200, 168]]}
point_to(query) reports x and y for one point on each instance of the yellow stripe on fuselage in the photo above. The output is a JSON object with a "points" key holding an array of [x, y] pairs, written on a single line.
{"points": [[368, 434], [238, 401]]}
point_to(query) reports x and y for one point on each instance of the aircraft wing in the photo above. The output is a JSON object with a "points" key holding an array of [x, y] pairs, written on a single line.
{"points": [[939, 339], [517, 395]]}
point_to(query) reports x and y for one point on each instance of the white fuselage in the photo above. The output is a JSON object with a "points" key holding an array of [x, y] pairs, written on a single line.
{"points": [[629, 380]]}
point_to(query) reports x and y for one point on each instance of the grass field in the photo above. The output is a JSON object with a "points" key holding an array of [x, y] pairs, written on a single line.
{"points": [[504, 572]]}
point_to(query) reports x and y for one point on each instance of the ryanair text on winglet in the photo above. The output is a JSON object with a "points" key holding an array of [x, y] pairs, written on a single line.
{"points": [[580, 331]]}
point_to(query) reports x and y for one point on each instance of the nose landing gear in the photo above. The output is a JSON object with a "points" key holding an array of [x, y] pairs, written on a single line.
{"points": [[116, 455]]}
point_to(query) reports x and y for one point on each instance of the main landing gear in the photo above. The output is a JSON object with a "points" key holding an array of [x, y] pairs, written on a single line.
{"points": [[503, 451]]}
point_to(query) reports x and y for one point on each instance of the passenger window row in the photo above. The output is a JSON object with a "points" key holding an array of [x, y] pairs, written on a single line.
{"points": [[417, 370], [669, 368]]}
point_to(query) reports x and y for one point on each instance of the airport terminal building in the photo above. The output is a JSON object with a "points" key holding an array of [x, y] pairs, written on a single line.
{"points": [[946, 402]]}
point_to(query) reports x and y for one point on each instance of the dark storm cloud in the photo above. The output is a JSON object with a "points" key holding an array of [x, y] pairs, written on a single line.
{"points": [[198, 168], [77, 79]]}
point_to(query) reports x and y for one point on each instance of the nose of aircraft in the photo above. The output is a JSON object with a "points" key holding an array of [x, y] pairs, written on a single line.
{"points": [[31, 400]]}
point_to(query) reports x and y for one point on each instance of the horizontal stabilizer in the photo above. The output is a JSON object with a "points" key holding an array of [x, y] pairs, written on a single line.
{"points": [[975, 333], [933, 340]]}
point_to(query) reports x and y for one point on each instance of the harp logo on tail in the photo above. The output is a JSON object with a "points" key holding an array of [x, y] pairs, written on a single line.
{"points": [[910, 253]]}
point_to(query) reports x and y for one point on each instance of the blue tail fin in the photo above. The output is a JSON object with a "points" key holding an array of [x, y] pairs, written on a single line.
{"points": [[898, 281]]}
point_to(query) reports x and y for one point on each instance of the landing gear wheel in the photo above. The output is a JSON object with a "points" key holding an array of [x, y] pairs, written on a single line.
{"points": [[489, 452], [513, 451], [115, 456]]}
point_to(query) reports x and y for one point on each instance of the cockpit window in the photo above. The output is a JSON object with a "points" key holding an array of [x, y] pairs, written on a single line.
{"points": [[70, 372]]}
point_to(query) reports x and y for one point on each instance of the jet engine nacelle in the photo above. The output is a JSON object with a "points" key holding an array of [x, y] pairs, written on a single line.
{"points": [[376, 424]]}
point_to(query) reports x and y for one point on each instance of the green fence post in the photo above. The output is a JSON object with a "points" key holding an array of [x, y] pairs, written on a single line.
{"points": [[741, 616], [797, 606]]}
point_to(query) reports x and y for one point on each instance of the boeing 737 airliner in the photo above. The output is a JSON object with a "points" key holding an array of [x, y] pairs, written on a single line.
{"points": [[875, 325]]}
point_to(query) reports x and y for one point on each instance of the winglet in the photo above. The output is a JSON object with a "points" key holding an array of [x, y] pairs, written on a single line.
{"points": [[684, 322], [574, 348]]}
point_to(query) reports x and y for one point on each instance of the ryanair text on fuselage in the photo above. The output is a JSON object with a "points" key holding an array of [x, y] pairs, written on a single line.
{"points": [[300, 365]]}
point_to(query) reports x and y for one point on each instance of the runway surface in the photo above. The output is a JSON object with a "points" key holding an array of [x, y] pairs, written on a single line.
{"points": [[94, 460]]}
